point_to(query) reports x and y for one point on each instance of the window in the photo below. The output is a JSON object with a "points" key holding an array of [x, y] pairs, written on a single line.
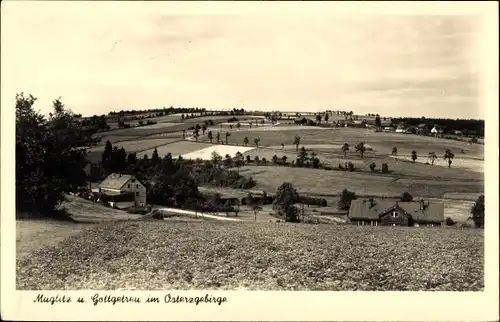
{"points": [[137, 194], [128, 186], [394, 214], [137, 186]]}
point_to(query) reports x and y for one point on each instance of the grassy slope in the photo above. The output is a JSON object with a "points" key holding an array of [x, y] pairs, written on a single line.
{"points": [[278, 256]]}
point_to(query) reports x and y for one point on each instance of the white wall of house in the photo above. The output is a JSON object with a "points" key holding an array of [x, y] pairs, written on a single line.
{"points": [[133, 185]]}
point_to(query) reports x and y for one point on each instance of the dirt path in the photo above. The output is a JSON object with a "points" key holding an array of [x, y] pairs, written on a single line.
{"points": [[219, 216]]}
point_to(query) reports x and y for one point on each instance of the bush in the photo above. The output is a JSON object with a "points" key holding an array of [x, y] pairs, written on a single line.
{"points": [[406, 197], [345, 199], [350, 166], [477, 212], [449, 221], [385, 167], [313, 201], [372, 166]]}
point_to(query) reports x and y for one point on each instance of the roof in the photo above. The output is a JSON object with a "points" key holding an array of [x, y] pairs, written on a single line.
{"points": [[360, 209], [116, 181]]}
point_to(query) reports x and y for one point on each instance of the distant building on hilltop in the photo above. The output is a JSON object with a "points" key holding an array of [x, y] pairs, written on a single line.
{"points": [[123, 187], [379, 212]]}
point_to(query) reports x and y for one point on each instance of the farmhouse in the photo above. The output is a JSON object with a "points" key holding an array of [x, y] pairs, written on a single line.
{"points": [[122, 187], [372, 212]]}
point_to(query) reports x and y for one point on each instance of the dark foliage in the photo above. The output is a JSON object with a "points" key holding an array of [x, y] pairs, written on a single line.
{"points": [[345, 199], [477, 212], [49, 160]]}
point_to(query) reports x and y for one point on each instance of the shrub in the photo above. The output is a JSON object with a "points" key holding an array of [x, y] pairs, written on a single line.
{"points": [[385, 167], [372, 166], [345, 199], [406, 197], [350, 166], [477, 212], [449, 221], [249, 159], [313, 201]]}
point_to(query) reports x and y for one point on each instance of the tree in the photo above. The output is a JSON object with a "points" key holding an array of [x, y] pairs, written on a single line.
{"points": [[132, 158], [395, 152], [360, 147], [254, 205], [238, 125], [210, 136], [385, 167], [283, 159], [448, 155], [477, 212], [283, 146], [227, 137], [296, 141], [228, 161], [218, 137], [203, 128], [326, 118], [302, 157], [315, 160], [414, 156], [155, 157], [406, 197], [256, 141], [345, 149], [183, 134], [275, 159], [239, 161], [107, 156], [196, 135], [318, 118], [49, 159], [283, 204], [245, 140], [378, 123], [216, 159], [345, 200], [432, 157], [197, 128], [372, 166]]}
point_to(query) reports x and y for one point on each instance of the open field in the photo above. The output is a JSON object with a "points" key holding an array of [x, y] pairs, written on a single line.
{"points": [[176, 149], [154, 126], [206, 153], [381, 143], [166, 255], [321, 182], [32, 235]]}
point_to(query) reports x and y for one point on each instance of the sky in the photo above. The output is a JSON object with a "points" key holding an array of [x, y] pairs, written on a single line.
{"points": [[113, 56]]}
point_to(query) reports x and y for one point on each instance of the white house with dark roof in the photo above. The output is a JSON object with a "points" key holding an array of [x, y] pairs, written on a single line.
{"points": [[124, 184]]}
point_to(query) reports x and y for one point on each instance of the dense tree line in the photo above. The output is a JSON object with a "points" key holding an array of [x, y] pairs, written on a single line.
{"points": [[49, 159]]}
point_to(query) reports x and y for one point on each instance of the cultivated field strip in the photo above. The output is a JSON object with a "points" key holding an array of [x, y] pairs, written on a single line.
{"points": [[280, 256]]}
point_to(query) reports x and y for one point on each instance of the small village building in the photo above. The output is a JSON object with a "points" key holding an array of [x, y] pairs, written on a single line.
{"points": [[123, 187], [380, 212]]}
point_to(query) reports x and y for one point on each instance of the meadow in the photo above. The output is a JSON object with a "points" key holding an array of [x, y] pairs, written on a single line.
{"points": [[211, 255]]}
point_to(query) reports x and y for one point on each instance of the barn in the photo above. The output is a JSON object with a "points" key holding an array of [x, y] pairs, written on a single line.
{"points": [[381, 212]]}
